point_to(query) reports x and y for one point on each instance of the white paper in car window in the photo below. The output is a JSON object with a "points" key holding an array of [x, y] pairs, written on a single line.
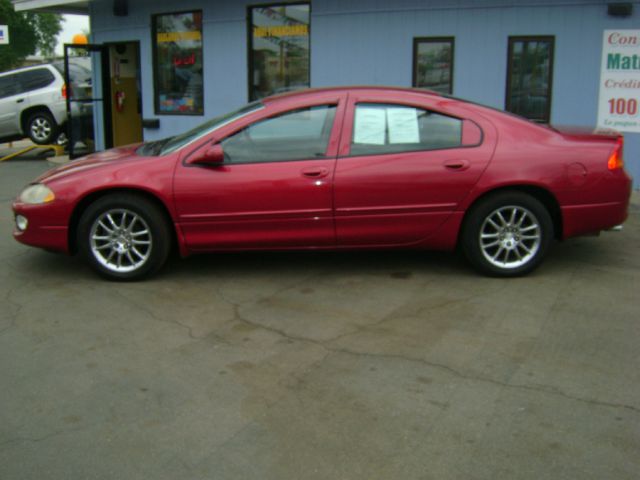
{"points": [[370, 125], [403, 125]]}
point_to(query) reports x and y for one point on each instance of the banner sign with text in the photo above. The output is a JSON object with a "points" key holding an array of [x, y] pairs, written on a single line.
{"points": [[4, 35], [620, 81]]}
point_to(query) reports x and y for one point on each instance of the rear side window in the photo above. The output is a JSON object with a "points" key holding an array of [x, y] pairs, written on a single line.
{"points": [[34, 79], [8, 86], [388, 128]]}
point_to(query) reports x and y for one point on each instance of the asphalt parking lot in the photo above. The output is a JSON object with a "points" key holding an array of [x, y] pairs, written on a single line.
{"points": [[379, 365]]}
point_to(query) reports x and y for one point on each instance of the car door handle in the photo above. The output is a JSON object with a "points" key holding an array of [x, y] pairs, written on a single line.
{"points": [[315, 172], [457, 164], [20, 100]]}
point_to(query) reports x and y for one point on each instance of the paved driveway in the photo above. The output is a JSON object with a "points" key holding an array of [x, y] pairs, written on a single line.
{"points": [[400, 365]]}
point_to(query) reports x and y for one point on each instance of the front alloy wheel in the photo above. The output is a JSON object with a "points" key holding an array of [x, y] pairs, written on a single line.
{"points": [[121, 240], [124, 236]]}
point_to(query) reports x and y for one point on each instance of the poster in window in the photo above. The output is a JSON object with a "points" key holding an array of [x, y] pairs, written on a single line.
{"points": [[403, 125], [178, 59], [370, 125], [279, 49]]}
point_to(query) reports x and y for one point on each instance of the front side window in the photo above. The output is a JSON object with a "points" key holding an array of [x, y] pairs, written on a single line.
{"points": [[529, 77], [177, 41], [278, 49], [296, 135], [386, 128], [433, 64]]}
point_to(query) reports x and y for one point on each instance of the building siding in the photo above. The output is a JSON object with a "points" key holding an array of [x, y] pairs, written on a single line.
{"points": [[370, 42]]}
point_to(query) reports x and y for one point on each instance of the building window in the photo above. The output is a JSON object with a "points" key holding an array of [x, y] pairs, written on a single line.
{"points": [[386, 128], [529, 77], [433, 64], [177, 42], [278, 49]]}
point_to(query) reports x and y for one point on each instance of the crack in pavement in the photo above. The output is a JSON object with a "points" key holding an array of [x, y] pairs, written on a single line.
{"points": [[11, 442], [550, 390], [18, 307], [155, 317]]}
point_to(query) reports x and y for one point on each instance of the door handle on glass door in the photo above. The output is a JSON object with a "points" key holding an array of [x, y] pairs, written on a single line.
{"points": [[315, 172], [457, 164]]}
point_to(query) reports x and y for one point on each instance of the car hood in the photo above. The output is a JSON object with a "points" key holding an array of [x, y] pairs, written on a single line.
{"points": [[98, 159]]}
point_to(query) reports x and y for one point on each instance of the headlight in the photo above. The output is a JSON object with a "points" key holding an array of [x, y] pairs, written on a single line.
{"points": [[36, 194]]}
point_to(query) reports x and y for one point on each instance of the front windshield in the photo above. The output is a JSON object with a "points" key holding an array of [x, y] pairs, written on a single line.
{"points": [[171, 144]]}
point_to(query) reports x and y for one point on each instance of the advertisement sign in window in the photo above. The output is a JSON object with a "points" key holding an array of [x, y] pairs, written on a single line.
{"points": [[620, 81], [278, 49], [178, 63]]}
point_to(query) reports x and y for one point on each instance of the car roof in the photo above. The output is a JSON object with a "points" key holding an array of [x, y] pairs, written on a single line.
{"points": [[24, 69], [349, 88]]}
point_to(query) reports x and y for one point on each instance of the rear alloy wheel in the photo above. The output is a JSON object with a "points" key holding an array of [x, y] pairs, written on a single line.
{"points": [[42, 128], [507, 234], [124, 237]]}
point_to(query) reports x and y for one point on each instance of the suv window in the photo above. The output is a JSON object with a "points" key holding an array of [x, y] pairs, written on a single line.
{"points": [[294, 135], [34, 79], [8, 86], [388, 128]]}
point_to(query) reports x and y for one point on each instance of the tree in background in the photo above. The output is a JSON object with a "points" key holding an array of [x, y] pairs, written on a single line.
{"points": [[28, 33]]}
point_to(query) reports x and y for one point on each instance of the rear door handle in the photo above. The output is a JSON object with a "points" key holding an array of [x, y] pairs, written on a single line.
{"points": [[457, 164], [315, 172], [20, 100]]}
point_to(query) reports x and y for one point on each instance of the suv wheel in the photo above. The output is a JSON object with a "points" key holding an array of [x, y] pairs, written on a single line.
{"points": [[42, 128]]}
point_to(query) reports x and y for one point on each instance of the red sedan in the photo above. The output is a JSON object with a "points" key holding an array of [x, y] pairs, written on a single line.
{"points": [[338, 168]]}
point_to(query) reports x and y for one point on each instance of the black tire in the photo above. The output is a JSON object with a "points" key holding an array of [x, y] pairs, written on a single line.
{"points": [[120, 252], [502, 245], [42, 128]]}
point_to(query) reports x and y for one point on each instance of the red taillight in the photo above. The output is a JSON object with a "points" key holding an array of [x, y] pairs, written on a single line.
{"points": [[64, 91], [615, 159]]}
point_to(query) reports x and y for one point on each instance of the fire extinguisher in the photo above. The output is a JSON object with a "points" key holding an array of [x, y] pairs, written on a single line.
{"points": [[120, 97]]}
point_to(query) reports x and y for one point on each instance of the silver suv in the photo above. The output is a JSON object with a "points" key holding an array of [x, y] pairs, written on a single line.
{"points": [[33, 101]]}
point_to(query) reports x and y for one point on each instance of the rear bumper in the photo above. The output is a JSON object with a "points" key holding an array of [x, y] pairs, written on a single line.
{"points": [[587, 219]]}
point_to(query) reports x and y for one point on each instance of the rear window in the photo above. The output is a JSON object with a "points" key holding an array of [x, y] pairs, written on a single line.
{"points": [[34, 79]]}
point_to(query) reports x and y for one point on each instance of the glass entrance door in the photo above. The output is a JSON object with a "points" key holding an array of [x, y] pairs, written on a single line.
{"points": [[84, 68]]}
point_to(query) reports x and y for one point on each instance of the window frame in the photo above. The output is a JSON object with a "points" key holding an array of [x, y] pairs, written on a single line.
{"points": [[419, 40], [249, 21], [529, 38], [154, 53]]}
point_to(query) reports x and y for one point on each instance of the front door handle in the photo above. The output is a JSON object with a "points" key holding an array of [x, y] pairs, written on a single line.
{"points": [[457, 164], [315, 172], [20, 100]]}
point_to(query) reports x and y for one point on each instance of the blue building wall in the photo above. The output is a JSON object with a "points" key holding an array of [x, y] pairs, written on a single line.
{"points": [[370, 42]]}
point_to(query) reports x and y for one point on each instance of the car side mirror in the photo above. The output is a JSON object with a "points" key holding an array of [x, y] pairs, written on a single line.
{"points": [[210, 155]]}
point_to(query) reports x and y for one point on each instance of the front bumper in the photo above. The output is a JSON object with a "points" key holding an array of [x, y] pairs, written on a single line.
{"points": [[40, 232]]}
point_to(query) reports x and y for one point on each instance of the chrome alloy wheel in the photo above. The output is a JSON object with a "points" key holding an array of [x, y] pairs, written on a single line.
{"points": [[510, 237], [41, 128], [121, 240]]}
